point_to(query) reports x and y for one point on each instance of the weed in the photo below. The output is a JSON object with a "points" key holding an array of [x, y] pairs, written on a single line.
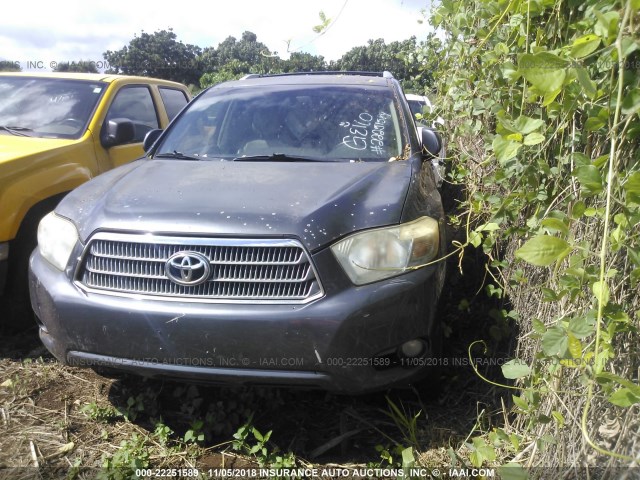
{"points": [[100, 413], [132, 454], [135, 406], [251, 442], [407, 424], [162, 433], [195, 433]]}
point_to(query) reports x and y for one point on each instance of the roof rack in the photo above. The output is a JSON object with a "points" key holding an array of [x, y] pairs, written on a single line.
{"points": [[384, 74]]}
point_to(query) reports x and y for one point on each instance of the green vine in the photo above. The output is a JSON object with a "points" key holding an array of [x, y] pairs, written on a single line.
{"points": [[602, 292], [541, 101]]}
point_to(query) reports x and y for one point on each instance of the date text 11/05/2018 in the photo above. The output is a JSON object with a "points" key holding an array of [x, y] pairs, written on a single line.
{"points": [[313, 472]]}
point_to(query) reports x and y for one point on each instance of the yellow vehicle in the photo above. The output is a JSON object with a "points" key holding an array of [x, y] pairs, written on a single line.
{"points": [[58, 130]]}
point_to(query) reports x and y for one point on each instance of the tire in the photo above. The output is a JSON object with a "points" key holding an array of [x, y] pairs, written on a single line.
{"points": [[15, 303]]}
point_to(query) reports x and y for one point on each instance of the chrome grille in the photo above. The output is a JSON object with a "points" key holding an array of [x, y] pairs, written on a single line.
{"points": [[241, 270]]}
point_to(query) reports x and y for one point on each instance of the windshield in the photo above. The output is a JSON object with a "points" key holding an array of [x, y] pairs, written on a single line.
{"points": [[310, 121], [47, 107]]}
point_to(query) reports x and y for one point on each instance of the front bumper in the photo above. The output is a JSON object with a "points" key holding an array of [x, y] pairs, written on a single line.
{"points": [[336, 343]]}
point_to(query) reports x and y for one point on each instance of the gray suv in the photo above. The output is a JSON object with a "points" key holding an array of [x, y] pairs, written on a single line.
{"points": [[283, 230]]}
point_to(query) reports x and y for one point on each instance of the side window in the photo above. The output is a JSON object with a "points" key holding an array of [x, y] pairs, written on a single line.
{"points": [[174, 100], [135, 104]]}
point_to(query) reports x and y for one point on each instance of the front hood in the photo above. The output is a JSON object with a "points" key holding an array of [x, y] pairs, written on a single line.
{"points": [[13, 147], [315, 202]]}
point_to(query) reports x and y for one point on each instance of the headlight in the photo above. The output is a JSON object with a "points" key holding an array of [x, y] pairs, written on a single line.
{"points": [[385, 252], [56, 239]]}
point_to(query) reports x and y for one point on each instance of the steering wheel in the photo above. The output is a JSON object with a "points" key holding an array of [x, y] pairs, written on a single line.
{"points": [[72, 122]]}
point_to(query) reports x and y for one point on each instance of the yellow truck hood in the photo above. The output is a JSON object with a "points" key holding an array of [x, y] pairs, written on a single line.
{"points": [[13, 146]]}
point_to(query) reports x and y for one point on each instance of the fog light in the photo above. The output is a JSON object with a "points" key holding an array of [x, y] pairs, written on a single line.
{"points": [[412, 348]]}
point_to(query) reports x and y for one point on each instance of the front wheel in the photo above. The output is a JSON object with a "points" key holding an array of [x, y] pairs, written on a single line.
{"points": [[15, 305]]}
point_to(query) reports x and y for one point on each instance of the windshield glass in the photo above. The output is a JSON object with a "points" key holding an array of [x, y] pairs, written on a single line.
{"points": [[311, 121], [47, 107]]}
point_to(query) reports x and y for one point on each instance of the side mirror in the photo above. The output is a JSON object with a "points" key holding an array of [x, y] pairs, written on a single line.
{"points": [[431, 142], [150, 138], [117, 131]]}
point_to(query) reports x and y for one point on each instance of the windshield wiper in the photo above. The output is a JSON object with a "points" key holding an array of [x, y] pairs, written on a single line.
{"points": [[177, 155], [16, 130], [281, 157]]}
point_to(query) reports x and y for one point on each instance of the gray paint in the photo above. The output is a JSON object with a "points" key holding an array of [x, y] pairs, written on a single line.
{"points": [[315, 202]]}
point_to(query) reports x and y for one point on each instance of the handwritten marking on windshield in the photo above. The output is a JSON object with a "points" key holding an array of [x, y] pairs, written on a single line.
{"points": [[363, 136]]}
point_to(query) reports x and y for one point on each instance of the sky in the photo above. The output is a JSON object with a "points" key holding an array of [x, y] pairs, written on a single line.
{"points": [[39, 33]]}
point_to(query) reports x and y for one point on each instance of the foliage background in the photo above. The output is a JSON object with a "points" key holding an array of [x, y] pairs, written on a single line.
{"points": [[162, 55], [541, 98]]}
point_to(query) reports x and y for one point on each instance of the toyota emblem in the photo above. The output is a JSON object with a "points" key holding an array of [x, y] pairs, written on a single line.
{"points": [[188, 268]]}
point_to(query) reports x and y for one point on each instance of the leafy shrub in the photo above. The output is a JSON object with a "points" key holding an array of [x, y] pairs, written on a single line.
{"points": [[541, 101]]}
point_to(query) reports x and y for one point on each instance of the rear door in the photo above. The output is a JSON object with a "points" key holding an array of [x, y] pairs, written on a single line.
{"points": [[173, 99]]}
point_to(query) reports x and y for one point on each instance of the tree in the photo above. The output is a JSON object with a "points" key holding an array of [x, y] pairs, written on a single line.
{"points": [[247, 50], [377, 56], [399, 58], [230, 71], [157, 55], [82, 66], [427, 59], [304, 62], [235, 58]]}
